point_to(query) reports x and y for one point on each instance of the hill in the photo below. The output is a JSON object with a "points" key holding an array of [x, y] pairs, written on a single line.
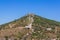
{"points": [[29, 27]]}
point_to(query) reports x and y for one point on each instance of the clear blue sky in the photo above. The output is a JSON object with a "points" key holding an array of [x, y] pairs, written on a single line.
{"points": [[14, 9]]}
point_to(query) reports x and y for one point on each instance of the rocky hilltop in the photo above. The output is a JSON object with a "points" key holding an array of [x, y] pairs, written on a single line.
{"points": [[30, 27]]}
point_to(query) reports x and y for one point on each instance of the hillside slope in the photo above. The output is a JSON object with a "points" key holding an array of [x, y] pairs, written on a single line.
{"points": [[43, 28]]}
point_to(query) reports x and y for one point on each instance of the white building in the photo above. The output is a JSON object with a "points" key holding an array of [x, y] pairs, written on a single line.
{"points": [[49, 29], [29, 26]]}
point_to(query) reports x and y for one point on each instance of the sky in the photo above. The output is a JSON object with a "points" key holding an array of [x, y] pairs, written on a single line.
{"points": [[14, 9]]}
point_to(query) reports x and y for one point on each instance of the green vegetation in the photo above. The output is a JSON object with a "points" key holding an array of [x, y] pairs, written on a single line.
{"points": [[40, 25]]}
